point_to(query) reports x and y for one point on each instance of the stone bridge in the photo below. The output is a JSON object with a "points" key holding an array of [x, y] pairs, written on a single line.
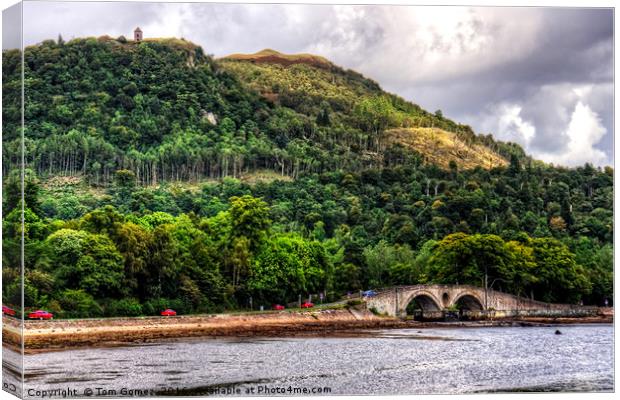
{"points": [[474, 300]]}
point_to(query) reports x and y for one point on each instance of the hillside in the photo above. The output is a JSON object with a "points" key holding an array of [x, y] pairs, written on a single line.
{"points": [[137, 106], [314, 86], [310, 83], [441, 147], [300, 81], [160, 177]]}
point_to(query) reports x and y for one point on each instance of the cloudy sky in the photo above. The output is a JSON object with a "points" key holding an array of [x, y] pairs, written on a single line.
{"points": [[542, 77]]}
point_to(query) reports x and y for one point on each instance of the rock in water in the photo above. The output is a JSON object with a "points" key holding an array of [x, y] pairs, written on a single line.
{"points": [[557, 332]]}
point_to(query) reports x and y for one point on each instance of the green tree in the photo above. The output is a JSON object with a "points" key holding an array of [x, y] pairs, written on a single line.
{"points": [[286, 266], [560, 278], [79, 304], [461, 258], [390, 265], [13, 191], [250, 219], [86, 261]]}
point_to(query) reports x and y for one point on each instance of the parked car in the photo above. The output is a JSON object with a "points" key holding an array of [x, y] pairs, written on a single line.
{"points": [[278, 307], [369, 293], [40, 314], [307, 304], [168, 313], [8, 311]]}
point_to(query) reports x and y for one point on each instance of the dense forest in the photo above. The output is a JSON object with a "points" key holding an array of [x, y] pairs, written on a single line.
{"points": [[159, 177]]}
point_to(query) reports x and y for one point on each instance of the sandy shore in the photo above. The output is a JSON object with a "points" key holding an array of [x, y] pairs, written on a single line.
{"points": [[61, 334], [57, 334]]}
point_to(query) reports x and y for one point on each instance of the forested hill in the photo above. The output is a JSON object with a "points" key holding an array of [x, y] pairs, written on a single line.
{"points": [[339, 99], [159, 177], [167, 111]]}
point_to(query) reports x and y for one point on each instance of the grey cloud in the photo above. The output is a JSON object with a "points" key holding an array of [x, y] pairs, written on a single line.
{"points": [[46, 20], [11, 27]]}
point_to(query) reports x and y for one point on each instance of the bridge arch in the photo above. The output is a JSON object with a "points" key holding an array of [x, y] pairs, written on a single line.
{"points": [[468, 301], [426, 300]]}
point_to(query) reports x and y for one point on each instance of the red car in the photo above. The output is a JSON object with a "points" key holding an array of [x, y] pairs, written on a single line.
{"points": [[278, 307], [41, 314], [307, 304], [168, 313], [8, 311]]}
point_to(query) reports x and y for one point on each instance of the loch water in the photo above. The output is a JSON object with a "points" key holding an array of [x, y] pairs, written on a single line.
{"points": [[405, 361]]}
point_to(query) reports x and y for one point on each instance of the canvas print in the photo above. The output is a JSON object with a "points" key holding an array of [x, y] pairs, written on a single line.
{"points": [[204, 199]]}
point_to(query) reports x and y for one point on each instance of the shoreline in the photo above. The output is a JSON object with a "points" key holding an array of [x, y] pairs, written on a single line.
{"points": [[58, 335]]}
